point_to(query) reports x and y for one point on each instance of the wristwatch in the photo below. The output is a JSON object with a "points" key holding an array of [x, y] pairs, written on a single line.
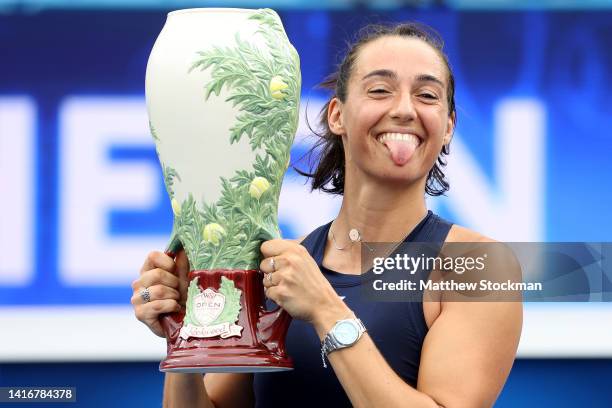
{"points": [[345, 333]]}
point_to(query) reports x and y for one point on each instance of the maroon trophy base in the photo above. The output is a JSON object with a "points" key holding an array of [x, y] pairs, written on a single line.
{"points": [[258, 348], [223, 360]]}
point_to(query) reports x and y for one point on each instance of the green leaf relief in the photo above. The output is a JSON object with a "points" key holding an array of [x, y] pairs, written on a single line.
{"points": [[265, 89], [231, 309], [192, 292]]}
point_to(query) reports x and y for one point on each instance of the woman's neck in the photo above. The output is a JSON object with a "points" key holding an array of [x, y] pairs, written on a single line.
{"points": [[380, 213]]}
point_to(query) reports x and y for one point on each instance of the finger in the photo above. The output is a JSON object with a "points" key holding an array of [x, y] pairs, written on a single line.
{"points": [[158, 259], [182, 271], [273, 294], [156, 292], [275, 247], [182, 265], [271, 279], [157, 328], [149, 313], [268, 266], [156, 277]]}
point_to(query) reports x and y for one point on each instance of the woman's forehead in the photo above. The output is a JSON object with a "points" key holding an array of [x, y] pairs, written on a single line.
{"points": [[405, 56]]}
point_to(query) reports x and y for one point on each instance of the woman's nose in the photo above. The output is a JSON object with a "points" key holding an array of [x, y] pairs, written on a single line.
{"points": [[403, 108]]}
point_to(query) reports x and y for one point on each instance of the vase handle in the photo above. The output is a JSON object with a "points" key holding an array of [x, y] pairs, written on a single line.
{"points": [[171, 322], [272, 328]]}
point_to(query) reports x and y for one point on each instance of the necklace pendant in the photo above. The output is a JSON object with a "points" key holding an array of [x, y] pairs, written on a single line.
{"points": [[354, 235]]}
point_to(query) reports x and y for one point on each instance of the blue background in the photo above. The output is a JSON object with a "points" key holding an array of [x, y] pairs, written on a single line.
{"points": [[563, 59]]}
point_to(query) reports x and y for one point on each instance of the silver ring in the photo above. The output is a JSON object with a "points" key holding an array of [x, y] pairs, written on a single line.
{"points": [[145, 295], [269, 277], [273, 264]]}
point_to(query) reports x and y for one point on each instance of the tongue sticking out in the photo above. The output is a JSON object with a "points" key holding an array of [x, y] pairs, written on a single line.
{"points": [[401, 150]]}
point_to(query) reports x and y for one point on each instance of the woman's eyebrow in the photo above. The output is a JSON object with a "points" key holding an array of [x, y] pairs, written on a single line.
{"points": [[429, 78], [387, 73]]}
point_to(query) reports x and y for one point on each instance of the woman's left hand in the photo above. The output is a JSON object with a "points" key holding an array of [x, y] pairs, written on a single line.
{"points": [[294, 281]]}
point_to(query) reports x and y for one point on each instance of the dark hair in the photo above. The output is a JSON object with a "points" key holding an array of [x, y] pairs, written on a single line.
{"points": [[330, 165]]}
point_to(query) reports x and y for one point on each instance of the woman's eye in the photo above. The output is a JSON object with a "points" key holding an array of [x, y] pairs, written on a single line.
{"points": [[429, 96]]}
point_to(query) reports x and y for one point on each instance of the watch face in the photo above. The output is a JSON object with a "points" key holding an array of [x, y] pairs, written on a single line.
{"points": [[346, 333]]}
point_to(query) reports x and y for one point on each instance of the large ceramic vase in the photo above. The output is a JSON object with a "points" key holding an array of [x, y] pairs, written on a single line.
{"points": [[222, 91]]}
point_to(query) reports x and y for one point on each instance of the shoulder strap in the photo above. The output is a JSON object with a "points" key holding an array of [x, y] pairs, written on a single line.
{"points": [[315, 242]]}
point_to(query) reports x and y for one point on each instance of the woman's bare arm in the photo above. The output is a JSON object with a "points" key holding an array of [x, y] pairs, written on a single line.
{"points": [[465, 360], [214, 390]]}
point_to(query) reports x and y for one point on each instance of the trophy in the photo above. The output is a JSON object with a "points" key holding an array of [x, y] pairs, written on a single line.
{"points": [[222, 93]]}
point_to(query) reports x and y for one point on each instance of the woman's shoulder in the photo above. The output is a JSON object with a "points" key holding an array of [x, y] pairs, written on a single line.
{"points": [[459, 233], [499, 253]]}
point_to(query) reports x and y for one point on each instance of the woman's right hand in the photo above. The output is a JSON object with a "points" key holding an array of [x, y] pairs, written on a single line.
{"points": [[166, 280]]}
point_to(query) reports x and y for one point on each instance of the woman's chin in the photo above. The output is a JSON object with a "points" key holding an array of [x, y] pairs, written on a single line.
{"points": [[396, 177]]}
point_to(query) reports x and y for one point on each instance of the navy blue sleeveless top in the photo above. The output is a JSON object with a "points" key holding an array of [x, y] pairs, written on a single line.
{"points": [[397, 328]]}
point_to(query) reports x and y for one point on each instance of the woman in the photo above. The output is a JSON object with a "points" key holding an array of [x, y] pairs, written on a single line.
{"points": [[387, 126]]}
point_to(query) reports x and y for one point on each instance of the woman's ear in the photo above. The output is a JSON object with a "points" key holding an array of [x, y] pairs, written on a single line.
{"points": [[334, 116], [450, 129]]}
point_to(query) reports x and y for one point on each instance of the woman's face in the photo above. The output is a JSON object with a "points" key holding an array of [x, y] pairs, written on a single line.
{"points": [[395, 119]]}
